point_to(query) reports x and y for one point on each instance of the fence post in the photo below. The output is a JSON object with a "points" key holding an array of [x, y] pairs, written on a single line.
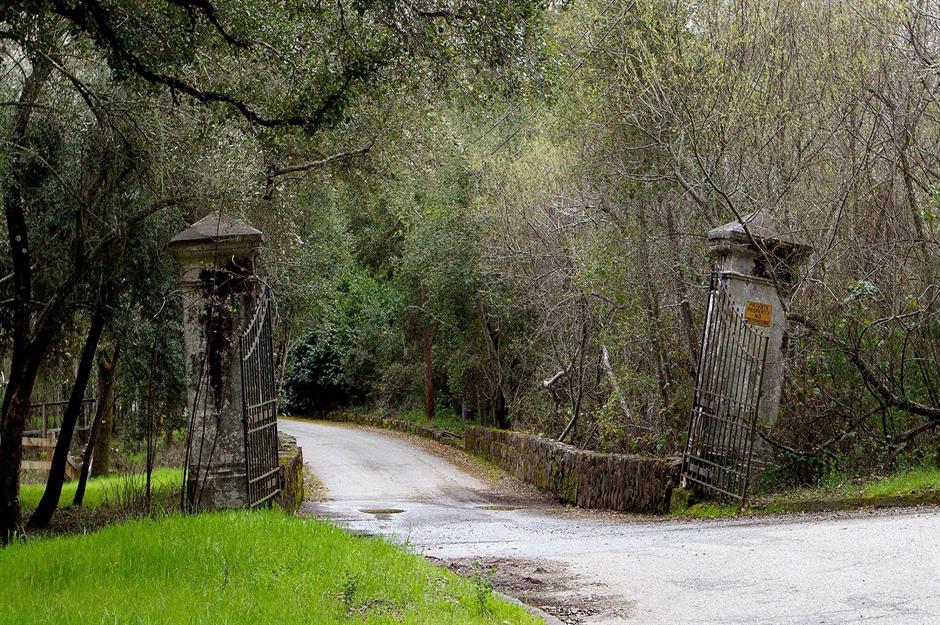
{"points": [[217, 256]]}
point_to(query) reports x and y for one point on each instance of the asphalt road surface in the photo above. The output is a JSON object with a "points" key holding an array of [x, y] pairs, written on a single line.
{"points": [[606, 569]]}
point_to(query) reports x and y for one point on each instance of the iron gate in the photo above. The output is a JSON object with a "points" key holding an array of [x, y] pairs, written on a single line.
{"points": [[717, 457], [259, 401]]}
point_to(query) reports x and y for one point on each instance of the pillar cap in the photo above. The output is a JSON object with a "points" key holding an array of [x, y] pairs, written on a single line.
{"points": [[216, 230], [763, 227]]}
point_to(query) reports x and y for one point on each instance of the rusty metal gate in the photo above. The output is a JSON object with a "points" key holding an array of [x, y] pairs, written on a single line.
{"points": [[259, 401], [717, 457]]}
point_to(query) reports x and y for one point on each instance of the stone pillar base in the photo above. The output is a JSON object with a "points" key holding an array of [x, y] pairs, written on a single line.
{"points": [[224, 487]]}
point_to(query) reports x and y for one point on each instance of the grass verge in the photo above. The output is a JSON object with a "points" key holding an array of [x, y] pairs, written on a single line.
{"points": [[233, 568], [443, 421], [113, 489], [907, 482], [911, 487]]}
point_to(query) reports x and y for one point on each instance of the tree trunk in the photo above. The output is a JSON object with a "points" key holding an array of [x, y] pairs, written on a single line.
{"points": [[101, 427], [615, 384], [568, 428], [500, 410], [102, 449], [682, 290], [50, 498], [26, 353], [79, 497], [428, 376], [15, 411]]}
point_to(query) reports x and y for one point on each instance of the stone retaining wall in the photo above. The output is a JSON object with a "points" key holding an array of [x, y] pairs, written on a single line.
{"points": [[291, 459], [626, 483], [588, 479]]}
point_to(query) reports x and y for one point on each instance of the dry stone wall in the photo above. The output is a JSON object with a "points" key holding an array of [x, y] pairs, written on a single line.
{"points": [[588, 479]]}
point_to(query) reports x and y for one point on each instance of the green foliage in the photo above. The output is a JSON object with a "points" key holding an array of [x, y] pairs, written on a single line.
{"points": [[709, 511], [348, 588], [483, 588], [169, 112], [443, 419], [482, 177], [293, 65], [155, 571], [441, 275], [336, 364]]}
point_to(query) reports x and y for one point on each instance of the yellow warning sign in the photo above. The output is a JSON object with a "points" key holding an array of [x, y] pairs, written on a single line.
{"points": [[758, 313]]}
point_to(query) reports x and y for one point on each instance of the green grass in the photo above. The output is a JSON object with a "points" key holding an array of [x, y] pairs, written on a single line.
{"points": [[231, 568], [919, 485], [709, 511], [914, 481], [103, 490], [442, 420], [906, 483]]}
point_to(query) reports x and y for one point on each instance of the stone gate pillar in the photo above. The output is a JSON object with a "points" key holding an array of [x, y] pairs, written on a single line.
{"points": [[217, 256], [759, 279]]}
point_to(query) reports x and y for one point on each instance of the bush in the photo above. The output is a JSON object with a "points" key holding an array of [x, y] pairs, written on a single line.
{"points": [[338, 363]]}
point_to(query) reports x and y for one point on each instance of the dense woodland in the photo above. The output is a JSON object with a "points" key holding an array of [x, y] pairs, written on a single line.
{"points": [[494, 209]]}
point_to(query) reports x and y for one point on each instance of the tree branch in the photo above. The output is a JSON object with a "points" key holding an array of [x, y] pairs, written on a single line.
{"points": [[207, 9], [877, 385], [93, 18], [313, 164]]}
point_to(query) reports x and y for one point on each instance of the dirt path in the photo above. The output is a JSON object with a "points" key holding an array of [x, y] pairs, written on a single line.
{"points": [[605, 569]]}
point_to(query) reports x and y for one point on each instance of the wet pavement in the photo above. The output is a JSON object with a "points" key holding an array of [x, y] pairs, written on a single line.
{"points": [[879, 567]]}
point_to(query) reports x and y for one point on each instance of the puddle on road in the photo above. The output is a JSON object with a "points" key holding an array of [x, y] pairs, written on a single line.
{"points": [[383, 514], [498, 508]]}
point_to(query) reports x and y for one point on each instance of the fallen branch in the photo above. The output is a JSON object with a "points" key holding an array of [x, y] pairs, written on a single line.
{"points": [[550, 382], [811, 453]]}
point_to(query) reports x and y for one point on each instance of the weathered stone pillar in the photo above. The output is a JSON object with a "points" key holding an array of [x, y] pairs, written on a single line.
{"points": [[759, 279], [217, 257]]}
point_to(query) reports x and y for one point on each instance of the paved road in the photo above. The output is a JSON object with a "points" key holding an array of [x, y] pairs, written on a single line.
{"points": [[867, 568]]}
